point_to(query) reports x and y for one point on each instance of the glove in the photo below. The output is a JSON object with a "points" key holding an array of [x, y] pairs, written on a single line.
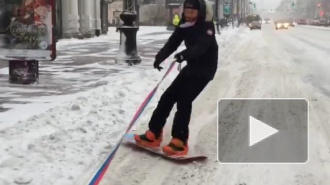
{"points": [[157, 64], [179, 57]]}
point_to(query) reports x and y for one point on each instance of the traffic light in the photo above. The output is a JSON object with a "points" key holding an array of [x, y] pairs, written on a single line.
{"points": [[319, 5]]}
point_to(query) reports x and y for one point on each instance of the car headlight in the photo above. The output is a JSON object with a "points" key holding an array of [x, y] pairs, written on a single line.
{"points": [[250, 24], [279, 25], [286, 24]]}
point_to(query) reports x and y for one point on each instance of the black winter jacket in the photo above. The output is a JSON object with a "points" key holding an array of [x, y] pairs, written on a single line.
{"points": [[202, 48]]}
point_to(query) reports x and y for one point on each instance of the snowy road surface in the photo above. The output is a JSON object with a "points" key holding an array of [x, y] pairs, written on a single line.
{"points": [[290, 63], [58, 138]]}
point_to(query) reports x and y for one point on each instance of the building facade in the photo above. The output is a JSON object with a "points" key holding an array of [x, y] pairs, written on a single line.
{"points": [[150, 12], [81, 18]]}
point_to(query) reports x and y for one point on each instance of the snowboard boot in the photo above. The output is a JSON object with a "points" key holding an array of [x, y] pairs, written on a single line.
{"points": [[176, 148], [149, 139]]}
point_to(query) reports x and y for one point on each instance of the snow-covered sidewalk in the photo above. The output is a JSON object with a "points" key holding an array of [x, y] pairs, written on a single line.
{"points": [[61, 144], [59, 139], [316, 27], [79, 66]]}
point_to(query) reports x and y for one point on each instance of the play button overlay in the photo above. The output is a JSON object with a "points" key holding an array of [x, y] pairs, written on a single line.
{"points": [[263, 131], [259, 131]]}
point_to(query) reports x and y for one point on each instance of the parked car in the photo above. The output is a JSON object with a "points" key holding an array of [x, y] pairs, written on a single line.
{"points": [[324, 22], [302, 21], [314, 22]]}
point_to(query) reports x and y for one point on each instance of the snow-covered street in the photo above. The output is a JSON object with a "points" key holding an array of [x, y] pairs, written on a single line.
{"points": [[59, 131], [44, 132], [260, 64]]}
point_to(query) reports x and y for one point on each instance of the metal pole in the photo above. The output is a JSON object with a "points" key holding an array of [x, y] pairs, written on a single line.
{"points": [[238, 13], [242, 8], [137, 9], [232, 8], [238, 9], [248, 7], [217, 15], [232, 18], [217, 9], [245, 7]]}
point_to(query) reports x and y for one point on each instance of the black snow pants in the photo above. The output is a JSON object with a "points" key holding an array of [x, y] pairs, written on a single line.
{"points": [[183, 91]]}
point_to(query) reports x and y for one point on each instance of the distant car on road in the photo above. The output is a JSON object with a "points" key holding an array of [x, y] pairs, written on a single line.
{"points": [[255, 25], [293, 23], [302, 21], [282, 24], [267, 20], [253, 21]]}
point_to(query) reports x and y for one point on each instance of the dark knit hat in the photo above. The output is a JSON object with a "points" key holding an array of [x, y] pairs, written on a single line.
{"points": [[192, 4]]}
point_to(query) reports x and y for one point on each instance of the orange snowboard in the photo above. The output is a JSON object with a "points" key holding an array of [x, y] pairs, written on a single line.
{"points": [[129, 139]]}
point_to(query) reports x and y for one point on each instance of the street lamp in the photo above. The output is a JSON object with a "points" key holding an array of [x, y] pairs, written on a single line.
{"points": [[128, 49], [318, 7]]}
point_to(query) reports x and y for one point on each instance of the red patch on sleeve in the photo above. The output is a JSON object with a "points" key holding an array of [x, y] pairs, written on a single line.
{"points": [[209, 32]]}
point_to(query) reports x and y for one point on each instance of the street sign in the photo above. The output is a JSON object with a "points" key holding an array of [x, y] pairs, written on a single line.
{"points": [[226, 9], [168, 3], [27, 30]]}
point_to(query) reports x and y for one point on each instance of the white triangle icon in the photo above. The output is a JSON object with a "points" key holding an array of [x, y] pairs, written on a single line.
{"points": [[259, 131]]}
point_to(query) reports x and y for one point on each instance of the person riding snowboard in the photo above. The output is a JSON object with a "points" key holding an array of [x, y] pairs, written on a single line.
{"points": [[196, 28]]}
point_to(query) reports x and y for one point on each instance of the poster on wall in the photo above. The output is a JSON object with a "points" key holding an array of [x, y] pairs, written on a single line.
{"points": [[27, 30]]}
